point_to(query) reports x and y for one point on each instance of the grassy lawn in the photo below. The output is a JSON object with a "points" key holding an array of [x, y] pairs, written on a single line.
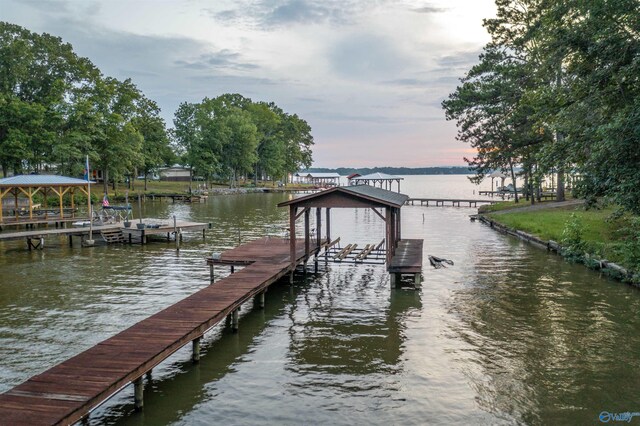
{"points": [[549, 224], [603, 236]]}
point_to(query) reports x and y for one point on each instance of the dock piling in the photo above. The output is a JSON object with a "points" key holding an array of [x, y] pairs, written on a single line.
{"points": [[195, 357], [235, 320], [138, 394]]}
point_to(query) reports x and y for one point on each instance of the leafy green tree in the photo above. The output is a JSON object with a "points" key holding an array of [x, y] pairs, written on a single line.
{"points": [[115, 140], [238, 144], [297, 140], [37, 75], [155, 141], [270, 149]]}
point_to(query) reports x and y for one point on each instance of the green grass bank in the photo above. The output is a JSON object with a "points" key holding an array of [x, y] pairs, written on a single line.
{"points": [[601, 233]]}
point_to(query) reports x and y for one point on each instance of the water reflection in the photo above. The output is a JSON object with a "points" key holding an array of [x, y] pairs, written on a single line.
{"points": [[344, 328], [555, 360]]}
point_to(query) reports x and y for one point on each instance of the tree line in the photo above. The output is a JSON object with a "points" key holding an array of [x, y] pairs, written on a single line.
{"points": [[557, 90], [56, 108]]}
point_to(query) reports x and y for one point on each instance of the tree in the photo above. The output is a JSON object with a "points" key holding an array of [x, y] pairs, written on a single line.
{"points": [[155, 141], [270, 149], [297, 140], [115, 140], [38, 73]]}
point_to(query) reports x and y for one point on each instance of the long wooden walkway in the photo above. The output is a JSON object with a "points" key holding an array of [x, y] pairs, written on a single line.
{"points": [[67, 392], [448, 201]]}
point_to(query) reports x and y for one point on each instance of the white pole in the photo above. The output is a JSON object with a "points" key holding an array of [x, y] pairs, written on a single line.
{"points": [[90, 240]]}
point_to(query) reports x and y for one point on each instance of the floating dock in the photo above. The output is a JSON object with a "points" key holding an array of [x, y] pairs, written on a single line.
{"points": [[69, 391]]}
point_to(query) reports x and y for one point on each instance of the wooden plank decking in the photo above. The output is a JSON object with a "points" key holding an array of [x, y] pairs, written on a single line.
{"points": [[407, 258], [59, 231], [65, 393]]}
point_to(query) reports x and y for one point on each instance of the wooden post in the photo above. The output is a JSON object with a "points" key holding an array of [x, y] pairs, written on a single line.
{"points": [[138, 394], [235, 321], [399, 225], [307, 237], [175, 233], [195, 343], [261, 298], [211, 275], [318, 228], [417, 280], [292, 237], [388, 234], [328, 213]]}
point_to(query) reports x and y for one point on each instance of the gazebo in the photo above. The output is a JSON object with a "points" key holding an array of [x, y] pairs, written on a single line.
{"points": [[22, 189], [497, 174], [374, 179], [322, 179]]}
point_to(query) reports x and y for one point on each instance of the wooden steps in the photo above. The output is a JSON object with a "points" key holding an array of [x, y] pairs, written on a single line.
{"points": [[111, 236]]}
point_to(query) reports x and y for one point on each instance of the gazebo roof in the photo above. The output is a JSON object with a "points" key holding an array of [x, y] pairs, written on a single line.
{"points": [[41, 180], [497, 174], [318, 175], [351, 196], [378, 176]]}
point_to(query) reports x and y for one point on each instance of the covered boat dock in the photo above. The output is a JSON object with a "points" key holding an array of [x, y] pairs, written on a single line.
{"points": [[384, 203]]}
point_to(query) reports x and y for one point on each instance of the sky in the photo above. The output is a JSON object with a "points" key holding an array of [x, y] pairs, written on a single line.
{"points": [[367, 75]]}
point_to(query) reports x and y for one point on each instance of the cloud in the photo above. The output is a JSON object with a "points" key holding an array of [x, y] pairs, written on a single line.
{"points": [[368, 56], [272, 14], [429, 9], [462, 59], [223, 59]]}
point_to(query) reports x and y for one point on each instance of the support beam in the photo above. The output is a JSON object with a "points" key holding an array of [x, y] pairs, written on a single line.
{"points": [[235, 320], [307, 237], [318, 229], [138, 394], [292, 237], [195, 343], [328, 213], [261, 298]]}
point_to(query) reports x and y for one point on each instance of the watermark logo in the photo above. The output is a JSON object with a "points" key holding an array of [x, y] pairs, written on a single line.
{"points": [[606, 417]]}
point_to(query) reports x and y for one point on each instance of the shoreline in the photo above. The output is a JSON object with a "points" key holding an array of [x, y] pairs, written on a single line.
{"points": [[610, 269]]}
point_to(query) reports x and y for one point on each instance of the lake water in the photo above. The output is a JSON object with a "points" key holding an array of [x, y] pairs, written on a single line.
{"points": [[508, 335]]}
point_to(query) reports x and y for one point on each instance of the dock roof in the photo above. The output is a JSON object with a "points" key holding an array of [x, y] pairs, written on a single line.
{"points": [[378, 176], [41, 180], [318, 175], [350, 196]]}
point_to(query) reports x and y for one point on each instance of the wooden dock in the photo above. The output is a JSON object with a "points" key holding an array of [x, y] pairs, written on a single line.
{"points": [[455, 202], [129, 235], [67, 392], [407, 261], [162, 227]]}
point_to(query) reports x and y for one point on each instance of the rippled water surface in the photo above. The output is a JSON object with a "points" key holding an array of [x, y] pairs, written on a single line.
{"points": [[510, 334]]}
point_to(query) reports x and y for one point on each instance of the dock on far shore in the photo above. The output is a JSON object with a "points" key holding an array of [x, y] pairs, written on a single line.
{"points": [[455, 202], [110, 233]]}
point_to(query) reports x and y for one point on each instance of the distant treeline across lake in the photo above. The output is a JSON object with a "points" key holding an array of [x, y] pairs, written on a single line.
{"points": [[345, 171]]}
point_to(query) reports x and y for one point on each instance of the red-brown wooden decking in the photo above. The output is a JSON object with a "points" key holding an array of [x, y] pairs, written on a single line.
{"points": [[68, 391], [407, 258]]}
